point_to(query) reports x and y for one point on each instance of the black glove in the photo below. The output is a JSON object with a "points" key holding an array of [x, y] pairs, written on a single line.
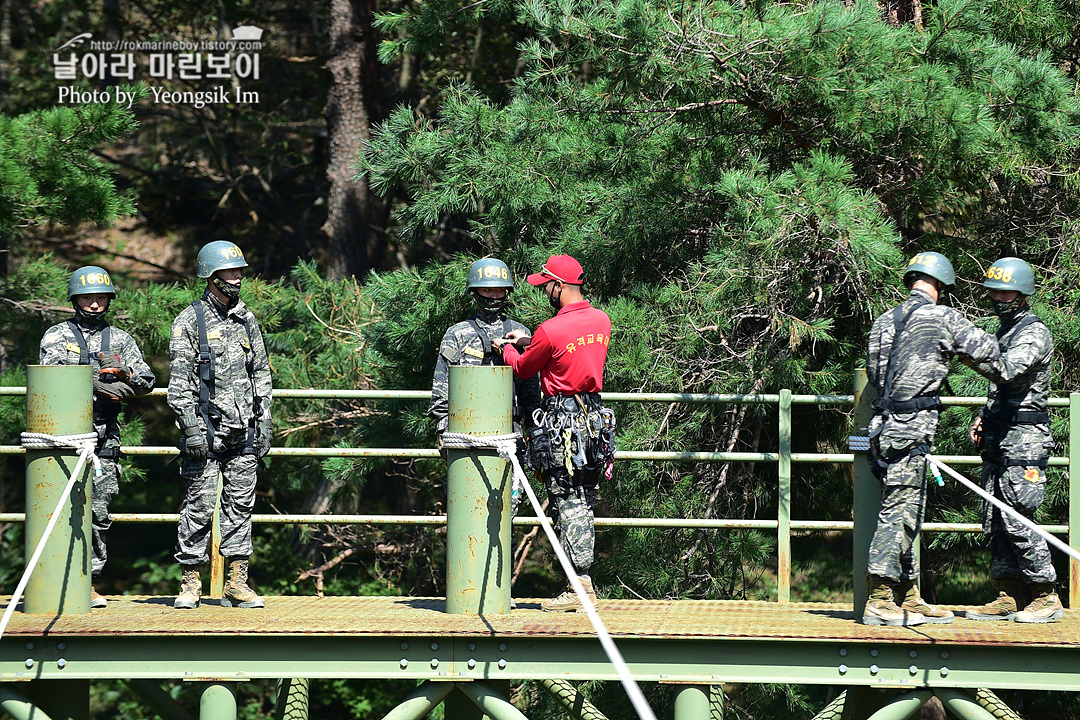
{"points": [[116, 390], [194, 444], [262, 438]]}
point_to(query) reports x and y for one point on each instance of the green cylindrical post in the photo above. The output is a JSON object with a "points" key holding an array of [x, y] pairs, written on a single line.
{"points": [[478, 552], [218, 702], [494, 705], [1074, 496], [866, 491], [903, 706], [59, 401], [692, 702], [783, 529], [966, 707], [422, 701]]}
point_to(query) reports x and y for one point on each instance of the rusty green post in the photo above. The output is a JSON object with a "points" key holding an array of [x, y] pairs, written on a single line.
{"points": [[866, 491], [478, 552], [218, 701], [59, 401]]}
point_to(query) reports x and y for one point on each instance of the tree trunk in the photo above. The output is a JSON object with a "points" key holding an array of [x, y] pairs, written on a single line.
{"points": [[356, 218], [5, 55]]}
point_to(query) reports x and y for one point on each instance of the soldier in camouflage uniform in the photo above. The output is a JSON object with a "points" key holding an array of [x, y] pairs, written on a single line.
{"points": [[469, 341], [1013, 431], [220, 390], [118, 372], [909, 354]]}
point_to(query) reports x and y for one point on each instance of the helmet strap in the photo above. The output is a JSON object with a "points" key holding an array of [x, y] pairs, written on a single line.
{"points": [[87, 317]]}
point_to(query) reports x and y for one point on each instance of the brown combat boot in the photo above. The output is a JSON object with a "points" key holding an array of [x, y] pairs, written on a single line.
{"points": [[568, 601], [236, 590], [880, 608], [190, 589], [96, 600], [1045, 607], [912, 602], [1010, 598]]}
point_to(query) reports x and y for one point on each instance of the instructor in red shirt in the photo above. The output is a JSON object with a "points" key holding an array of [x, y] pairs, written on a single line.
{"points": [[572, 441]]}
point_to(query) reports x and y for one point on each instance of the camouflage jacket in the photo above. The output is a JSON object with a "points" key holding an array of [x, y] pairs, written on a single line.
{"points": [[60, 347], [1019, 381], [932, 336], [241, 379], [462, 345]]}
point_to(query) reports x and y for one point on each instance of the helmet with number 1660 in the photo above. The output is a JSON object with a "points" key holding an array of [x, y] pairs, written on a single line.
{"points": [[1010, 273], [90, 280], [933, 264], [218, 255]]}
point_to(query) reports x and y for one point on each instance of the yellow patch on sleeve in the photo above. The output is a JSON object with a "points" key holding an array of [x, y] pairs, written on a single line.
{"points": [[213, 335], [1031, 474], [72, 347], [473, 352]]}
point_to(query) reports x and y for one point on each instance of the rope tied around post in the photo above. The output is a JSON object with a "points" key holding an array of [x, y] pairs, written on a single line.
{"points": [[84, 444], [506, 446]]}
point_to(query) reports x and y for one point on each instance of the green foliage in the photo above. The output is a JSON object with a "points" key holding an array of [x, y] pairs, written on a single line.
{"points": [[49, 172]]}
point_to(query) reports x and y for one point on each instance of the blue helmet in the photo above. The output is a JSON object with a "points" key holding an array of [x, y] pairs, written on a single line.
{"points": [[218, 255], [90, 280]]}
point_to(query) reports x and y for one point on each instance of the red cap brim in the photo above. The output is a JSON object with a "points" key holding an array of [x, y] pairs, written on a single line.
{"points": [[538, 279]]}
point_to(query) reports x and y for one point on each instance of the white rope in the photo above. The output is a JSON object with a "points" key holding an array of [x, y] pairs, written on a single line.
{"points": [[506, 445], [1063, 547], [84, 444]]}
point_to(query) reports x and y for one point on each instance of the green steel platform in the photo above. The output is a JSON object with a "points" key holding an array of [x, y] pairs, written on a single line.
{"points": [[699, 642]]}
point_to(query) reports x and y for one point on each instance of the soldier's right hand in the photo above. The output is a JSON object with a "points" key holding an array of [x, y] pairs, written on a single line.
{"points": [[195, 446]]}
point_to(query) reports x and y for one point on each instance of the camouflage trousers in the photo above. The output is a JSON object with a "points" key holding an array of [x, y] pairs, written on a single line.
{"points": [[1015, 550], [903, 503], [238, 477], [573, 499], [105, 488]]}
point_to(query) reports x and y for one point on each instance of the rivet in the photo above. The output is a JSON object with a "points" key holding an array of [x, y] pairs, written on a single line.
{"points": [[502, 647], [913, 654], [61, 646], [404, 646], [944, 654], [472, 646], [29, 662], [913, 669], [404, 663], [61, 663], [843, 652], [944, 672], [434, 663], [842, 669], [471, 663], [873, 669], [434, 646], [29, 646], [502, 664], [873, 653]]}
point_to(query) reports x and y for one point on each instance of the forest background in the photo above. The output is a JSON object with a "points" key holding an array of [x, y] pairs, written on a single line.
{"points": [[741, 180]]}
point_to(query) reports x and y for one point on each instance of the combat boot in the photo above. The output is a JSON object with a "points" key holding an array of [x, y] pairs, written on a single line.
{"points": [[569, 601], [1010, 598], [1045, 607], [96, 600], [912, 601], [190, 588], [880, 608], [236, 590]]}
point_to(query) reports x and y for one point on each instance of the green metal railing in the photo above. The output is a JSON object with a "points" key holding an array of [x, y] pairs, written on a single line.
{"points": [[784, 458]]}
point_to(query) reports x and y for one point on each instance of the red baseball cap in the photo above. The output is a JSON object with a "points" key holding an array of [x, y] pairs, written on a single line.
{"points": [[559, 267]]}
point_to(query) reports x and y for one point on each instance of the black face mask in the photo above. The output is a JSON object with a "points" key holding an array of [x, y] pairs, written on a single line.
{"points": [[89, 318], [493, 306], [555, 300], [1005, 309], [227, 289]]}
